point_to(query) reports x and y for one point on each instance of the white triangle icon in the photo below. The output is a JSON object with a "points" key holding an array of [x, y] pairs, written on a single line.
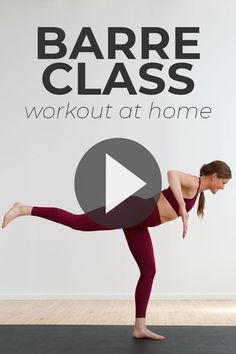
{"points": [[120, 183]]}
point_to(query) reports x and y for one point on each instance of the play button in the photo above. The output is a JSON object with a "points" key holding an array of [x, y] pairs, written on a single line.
{"points": [[129, 183], [117, 183]]}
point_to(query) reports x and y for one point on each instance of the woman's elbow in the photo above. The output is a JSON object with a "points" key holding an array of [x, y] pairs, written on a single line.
{"points": [[171, 172]]}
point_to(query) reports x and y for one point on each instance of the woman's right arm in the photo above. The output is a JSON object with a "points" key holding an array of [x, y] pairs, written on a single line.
{"points": [[175, 185]]}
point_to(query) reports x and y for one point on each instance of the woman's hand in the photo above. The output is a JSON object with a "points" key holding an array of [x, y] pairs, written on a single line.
{"points": [[184, 215]]}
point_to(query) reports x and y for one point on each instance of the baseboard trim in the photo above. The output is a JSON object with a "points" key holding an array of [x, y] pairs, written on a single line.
{"points": [[119, 296]]}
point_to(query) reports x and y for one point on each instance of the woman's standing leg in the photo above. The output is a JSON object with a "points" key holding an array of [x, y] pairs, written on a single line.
{"points": [[140, 245]]}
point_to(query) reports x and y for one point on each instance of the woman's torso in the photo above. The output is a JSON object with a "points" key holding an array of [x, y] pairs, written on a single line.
{"points": [[166, 211]]}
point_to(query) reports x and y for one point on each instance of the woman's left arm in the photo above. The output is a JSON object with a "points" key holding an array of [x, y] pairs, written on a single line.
{"points": [[177, 181]]}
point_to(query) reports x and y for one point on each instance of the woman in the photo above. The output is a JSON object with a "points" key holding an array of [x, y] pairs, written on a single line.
{"points": [[177, 200]]}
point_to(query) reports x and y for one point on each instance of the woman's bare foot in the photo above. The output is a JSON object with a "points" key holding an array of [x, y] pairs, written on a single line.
{"points": [[139, 333], [17, 209]]}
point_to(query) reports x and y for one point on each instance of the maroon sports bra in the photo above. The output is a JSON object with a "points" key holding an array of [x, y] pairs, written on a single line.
{"points": [[189, 203]]}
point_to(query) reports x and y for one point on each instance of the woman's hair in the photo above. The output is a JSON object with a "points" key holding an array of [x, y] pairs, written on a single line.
{"points": [[221, 169]]}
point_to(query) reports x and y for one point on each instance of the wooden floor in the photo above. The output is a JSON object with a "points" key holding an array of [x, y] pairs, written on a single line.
{"points": [[116, 312]]}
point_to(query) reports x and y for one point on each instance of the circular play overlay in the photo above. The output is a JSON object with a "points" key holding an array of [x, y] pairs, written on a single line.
{"points": [[118, 183]]}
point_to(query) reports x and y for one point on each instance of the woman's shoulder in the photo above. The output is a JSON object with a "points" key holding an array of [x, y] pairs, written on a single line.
{"points": [[187, 180]]}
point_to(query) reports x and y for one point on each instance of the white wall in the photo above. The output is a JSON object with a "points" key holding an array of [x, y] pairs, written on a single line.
{"points": [[39, 259]]}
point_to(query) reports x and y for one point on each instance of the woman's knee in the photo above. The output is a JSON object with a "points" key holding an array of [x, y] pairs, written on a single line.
{"points": [[148, 271], [83, 222]]}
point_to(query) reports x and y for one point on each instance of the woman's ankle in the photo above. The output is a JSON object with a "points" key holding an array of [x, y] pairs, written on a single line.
{"points": [[25, 209], [140, 323]]}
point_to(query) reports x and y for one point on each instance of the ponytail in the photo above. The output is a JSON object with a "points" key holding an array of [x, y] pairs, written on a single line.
{"points": [[201, 205]]}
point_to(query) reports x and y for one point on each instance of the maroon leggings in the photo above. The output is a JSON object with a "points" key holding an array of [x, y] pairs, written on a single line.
{"points": [[138, 239]]}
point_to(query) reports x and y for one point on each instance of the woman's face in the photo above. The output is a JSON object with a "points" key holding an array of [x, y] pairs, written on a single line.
{"points": [[217, 183]]}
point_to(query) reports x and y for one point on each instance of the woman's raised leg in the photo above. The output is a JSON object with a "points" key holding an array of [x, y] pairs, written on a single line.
{"points": [[81, 222], [140, 245], [75, 221]]}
